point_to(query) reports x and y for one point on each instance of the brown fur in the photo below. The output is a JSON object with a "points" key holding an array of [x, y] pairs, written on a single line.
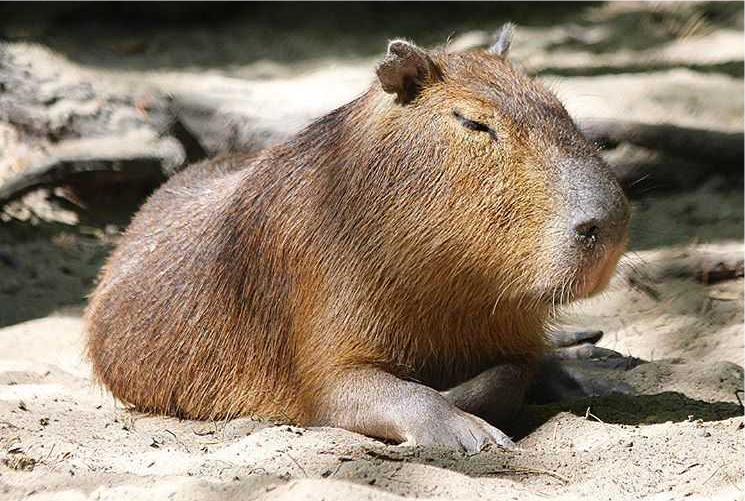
{"points": [[384, 235]]}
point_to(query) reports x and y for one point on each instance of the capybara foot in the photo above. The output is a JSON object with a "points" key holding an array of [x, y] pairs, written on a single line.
{"points": [[579, 345], [379, 404], [565, 339], [457, 430], [588, 371]]}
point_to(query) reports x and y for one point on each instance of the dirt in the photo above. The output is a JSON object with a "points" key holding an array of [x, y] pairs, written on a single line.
{"points": [[678, 435]]}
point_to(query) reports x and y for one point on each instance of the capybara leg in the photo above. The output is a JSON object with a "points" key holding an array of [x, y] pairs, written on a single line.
{"points": [[577, 368], [564, 339], [562, 379], [496, 395], [579, 345], [375, 403]]}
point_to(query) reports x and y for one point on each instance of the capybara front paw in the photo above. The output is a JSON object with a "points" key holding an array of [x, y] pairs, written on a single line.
{"points": [[458, 430], [579, 345]]}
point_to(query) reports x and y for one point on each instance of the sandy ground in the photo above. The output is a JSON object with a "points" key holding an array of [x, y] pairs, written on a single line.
{"points": [[679, 435]]}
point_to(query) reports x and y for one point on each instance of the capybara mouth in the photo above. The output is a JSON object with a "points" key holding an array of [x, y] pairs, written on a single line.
{"points": [[589, 278], [594, 278]]}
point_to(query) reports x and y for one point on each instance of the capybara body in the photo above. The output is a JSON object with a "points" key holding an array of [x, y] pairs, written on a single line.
{"points": [[399, 246]]}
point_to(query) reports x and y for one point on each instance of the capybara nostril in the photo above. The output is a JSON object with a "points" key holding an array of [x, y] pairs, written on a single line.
{"points": [[587, 231]]}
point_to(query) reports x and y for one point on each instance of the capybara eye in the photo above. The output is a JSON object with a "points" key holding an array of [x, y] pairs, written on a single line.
{"points": [[473, 125]]}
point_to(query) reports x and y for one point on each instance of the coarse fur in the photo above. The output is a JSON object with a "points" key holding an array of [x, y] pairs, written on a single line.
{"points": [[385, 235]]}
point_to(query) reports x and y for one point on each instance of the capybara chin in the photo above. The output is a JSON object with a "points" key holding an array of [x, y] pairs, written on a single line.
{"points": [[368, 271]]}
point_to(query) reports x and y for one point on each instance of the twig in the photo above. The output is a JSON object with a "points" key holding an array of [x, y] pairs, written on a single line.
{"points": [[531, 471], [712, 475], [305, 474], [50, 452], [687, 468], [589, 414], [183, 445], [383, 456], [737, 396]]}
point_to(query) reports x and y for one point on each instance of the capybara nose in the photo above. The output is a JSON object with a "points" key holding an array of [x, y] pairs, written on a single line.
{"points": [[598, 211], [606, 226]]}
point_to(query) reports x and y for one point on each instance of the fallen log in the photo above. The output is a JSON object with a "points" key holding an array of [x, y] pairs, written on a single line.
{"points": [[136, 155]]}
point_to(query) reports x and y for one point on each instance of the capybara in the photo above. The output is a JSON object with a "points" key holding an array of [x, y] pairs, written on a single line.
{"points": [[392, 269]]}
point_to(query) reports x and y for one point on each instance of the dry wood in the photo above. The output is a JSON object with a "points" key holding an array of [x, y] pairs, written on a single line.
{"points": [[136, 155]]}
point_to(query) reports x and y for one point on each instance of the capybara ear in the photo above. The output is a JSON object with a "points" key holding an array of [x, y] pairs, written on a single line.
{"points": [[502, 46], [405, 70]]}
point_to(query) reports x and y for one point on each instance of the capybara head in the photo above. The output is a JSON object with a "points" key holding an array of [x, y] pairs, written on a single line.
{"points": [[520, 196]]}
